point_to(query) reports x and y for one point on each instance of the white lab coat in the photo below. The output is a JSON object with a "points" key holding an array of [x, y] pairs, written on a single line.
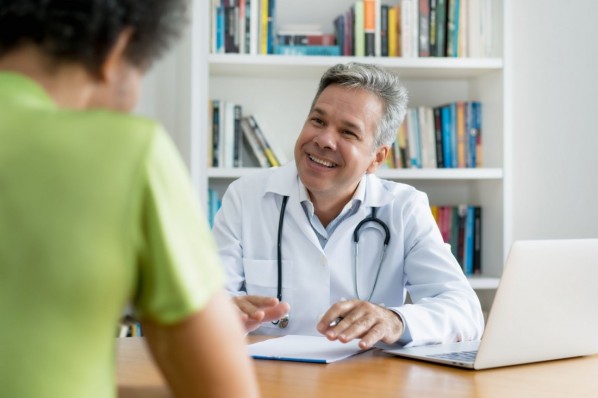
{"points": [[444, 309]]}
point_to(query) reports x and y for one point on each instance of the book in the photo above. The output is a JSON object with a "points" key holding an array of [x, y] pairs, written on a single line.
{"points": [[296, 348], [271, 26], [359, 33], [238, 136], [320, 39], [263, 27], [392, 31], [477, 241], [384, 33], [254, 27], [307, 50], [424, 28], [440, 29], [369, 27], [215, 133], [452, 28], [265, 145], [253, 144]]}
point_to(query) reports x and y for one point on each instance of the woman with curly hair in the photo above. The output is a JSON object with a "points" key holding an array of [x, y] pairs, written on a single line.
{"points": [[97, 210]]}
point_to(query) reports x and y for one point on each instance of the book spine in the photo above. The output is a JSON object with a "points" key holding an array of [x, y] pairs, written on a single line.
{"points": [[263, 47], [238, 140], [432, 28], [438, 137], [215, 132], [263, 142], [384, 30], [392, 32], [461, 135], [307, 50], [359, 36], [440, 28], [254, 27], [477, 240], [271, 25], [253, 143], [369, 27], [424, 28]]}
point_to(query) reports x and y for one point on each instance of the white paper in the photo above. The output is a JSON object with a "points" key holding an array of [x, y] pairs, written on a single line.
{"points": [[304, 349]]}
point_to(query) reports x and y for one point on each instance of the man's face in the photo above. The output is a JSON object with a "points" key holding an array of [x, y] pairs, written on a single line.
{"points": [[336, 145]]}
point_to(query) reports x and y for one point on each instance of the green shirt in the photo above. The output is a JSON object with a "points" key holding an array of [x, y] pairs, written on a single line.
{"points": [[96, 210]]}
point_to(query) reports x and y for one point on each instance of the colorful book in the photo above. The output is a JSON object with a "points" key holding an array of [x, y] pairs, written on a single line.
{"points": [[359, 33]]}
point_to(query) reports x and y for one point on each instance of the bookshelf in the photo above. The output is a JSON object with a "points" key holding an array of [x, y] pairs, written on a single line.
{"points": [[279, 89]]}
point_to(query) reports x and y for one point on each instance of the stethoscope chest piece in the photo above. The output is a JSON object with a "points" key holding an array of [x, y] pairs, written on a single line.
{"points": [[283, 322]]}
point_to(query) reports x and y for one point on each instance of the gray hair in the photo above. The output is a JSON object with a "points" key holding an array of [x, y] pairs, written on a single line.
{"points": [[378, 81]]}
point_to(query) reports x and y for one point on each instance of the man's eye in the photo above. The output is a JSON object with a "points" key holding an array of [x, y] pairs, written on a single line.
{"points": [[350, 133], [317, 120]]}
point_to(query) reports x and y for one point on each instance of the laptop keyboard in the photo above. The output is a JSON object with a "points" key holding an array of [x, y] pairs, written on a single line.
{"points": [[462, 356]]}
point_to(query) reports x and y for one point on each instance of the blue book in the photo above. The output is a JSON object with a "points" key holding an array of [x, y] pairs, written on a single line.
{"points": [[271, 25], [446, 135], [468, 244], [307, 50]]}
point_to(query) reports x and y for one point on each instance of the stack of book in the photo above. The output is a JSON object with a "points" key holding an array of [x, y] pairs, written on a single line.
{"points": [[461, 227], [447, 136]]}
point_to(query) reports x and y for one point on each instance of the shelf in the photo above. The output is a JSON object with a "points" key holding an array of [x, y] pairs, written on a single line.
{"points": [[392, 174], [483, 283], [288, 66]]}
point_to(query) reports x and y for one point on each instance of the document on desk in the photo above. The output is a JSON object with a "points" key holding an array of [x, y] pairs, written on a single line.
{"points": [[298, 348]]}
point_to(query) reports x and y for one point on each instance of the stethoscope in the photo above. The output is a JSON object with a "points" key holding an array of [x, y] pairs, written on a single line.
{"points": [[284, 321]]}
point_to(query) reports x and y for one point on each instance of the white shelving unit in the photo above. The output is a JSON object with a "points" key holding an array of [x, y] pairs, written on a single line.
{"points": [[279, 89]]}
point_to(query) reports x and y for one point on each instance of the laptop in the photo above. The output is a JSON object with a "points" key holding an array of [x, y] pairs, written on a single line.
{"points": [[545, 308]]}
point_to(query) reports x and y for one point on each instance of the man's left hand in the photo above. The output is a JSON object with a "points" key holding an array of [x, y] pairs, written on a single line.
{"points": [[361, 319]]}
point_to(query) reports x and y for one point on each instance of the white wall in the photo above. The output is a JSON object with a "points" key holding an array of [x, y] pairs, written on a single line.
{"points": [[555, 119]]}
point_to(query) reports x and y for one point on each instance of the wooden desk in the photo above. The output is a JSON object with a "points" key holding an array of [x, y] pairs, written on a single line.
{"points": [[376, 374]]}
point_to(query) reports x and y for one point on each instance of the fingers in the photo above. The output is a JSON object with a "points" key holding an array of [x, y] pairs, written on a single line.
{"points": [[255, 310], [369, 322]]}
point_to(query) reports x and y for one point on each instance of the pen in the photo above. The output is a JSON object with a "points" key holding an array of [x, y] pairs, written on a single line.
{"points": [[336, 321]]}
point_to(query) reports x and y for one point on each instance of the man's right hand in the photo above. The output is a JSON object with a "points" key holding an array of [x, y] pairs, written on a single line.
{"points": [[255, 310]]}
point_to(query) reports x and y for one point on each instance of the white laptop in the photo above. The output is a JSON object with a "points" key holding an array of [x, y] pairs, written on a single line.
{"points": [[545, 308]]}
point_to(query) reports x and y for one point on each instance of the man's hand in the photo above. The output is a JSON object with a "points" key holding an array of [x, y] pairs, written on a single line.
{"points": [[255, 310], [361, 319]]}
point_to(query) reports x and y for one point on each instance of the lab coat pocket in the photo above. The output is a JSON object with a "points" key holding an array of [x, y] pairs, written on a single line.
{"points": [[261, 277]]}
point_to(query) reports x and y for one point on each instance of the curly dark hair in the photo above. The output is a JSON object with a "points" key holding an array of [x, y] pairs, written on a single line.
{"points": [[85, 30]]}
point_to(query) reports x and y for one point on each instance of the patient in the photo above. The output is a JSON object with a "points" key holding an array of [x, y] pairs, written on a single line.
{"points": [[97, 210]]}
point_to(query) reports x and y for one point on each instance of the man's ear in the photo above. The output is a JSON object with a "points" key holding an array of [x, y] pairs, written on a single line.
{"points": [[379, 158], [109, 67]]}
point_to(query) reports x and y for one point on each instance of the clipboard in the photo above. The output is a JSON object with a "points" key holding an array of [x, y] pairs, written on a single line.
{"points": [[298, 348]]}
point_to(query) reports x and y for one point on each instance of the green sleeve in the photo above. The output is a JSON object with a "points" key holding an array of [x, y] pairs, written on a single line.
{"points": [[179, 265]]}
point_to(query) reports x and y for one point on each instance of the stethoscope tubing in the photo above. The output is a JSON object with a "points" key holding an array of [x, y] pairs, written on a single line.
{"points": [[282, 323]]}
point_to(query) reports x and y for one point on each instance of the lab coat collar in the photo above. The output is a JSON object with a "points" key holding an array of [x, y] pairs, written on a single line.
{"points": [[285, 181]]}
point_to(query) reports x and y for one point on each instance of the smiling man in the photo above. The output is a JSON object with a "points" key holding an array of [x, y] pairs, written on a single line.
{"points": [[321, 245]]}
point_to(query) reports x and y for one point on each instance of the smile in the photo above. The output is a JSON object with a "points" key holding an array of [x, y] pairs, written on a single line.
{"points": [[322, 162]]}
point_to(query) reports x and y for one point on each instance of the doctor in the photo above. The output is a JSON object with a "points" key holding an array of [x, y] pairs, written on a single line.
{"points": [[287, 236]]}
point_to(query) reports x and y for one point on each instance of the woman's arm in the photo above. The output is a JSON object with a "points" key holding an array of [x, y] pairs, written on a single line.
{"points": [[205, 354]]}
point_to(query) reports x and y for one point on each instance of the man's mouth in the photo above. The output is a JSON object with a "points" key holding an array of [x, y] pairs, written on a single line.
{"points": [[321, 162]]}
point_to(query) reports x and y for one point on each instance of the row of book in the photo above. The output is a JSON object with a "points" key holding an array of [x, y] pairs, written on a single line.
{"points": [[242, 26], [239, 140], [129, 327], [461, 228], [405, 28], [447, 136], [416, 28]]}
